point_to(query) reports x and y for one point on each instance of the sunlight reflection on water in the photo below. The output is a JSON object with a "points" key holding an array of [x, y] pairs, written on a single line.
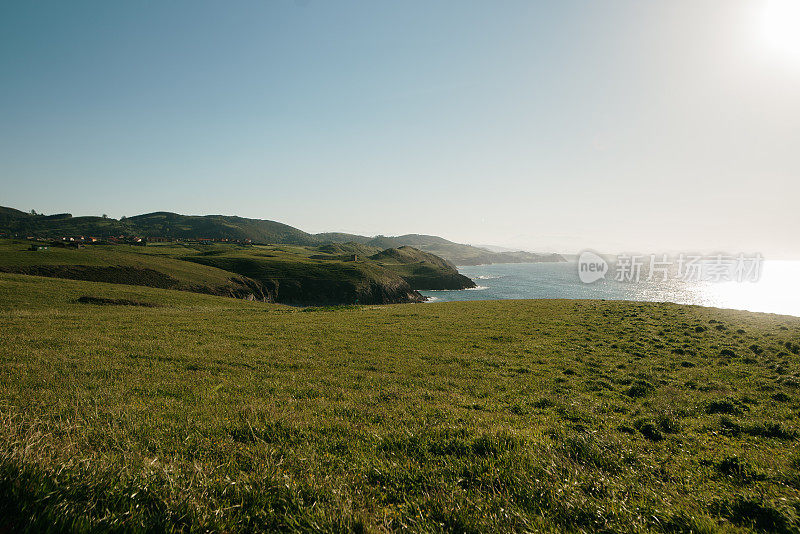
{"points": [[777, 290]]}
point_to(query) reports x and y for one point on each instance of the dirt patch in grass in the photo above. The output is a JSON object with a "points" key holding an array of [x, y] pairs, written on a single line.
{"points": [[101, 301]]}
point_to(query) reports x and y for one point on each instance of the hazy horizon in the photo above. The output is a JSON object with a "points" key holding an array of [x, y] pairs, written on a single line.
{"points": [[623, 126]]}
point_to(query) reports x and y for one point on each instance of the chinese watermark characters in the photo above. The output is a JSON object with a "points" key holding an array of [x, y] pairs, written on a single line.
{"points": [[662, 267]]}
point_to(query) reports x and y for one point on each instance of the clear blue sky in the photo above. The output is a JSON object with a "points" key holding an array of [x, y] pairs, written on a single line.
{"points": [[618, 125]]}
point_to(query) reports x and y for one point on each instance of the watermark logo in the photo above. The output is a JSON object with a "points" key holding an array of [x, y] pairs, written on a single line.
{"points": [[591, 267], [661, 267]]}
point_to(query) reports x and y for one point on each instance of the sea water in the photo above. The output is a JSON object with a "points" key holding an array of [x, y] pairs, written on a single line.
{"points": [[777, 290]]}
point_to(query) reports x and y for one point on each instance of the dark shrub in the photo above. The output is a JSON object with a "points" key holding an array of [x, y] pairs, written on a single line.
{"points": [[543, 403], [729, 426], [640, 388], [102, 301], [739, 469], [726, 406], [757, 514], [668, 423], [649, 430], [771, 429]]}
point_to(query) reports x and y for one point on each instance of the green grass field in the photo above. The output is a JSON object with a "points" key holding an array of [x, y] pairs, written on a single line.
{"points": [[208, 413]]}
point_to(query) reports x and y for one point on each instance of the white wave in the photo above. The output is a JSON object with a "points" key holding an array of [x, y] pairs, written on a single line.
{"points": [[432, 299], [476, 288], [486, 277]]}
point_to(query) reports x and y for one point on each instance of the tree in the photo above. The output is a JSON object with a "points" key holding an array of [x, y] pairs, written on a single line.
{"points": [[105, 216], [33, 212]]}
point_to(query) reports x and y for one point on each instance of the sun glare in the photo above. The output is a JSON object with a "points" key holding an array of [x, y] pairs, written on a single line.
{"points": [[781, 26]]}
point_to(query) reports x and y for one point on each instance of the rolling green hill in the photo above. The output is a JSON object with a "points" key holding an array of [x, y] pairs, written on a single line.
{"points": [[218, 227], [153, 410], [421, 269], [348, 248], [158, 224], [173, 225], [296, 279], [276, 273], [123, 264], [17, 222]]}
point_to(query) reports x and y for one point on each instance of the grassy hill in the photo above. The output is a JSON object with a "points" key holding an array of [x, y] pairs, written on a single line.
{"points": [[204, 413], [348, 248], [277, 273], [176, 226], [158, 224], [13, 221], [421, 269], [297, 278], [154, 267]]}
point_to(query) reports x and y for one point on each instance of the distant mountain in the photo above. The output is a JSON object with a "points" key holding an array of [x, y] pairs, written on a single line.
{"points": [[495, 248], [158, 224], [165, 224], [340, 237], [455, 253], [175, 226], [18, 222]]}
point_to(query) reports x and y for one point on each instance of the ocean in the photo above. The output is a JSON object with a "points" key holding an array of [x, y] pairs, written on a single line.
{"points": [[776, 291]]}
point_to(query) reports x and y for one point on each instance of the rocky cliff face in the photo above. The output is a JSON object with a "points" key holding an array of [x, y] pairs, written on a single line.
{"points": [[248, 289], [441, 281], [315, 291], [389, 293], [304, 280]]}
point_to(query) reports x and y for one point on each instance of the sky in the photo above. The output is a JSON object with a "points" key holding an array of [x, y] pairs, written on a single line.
{"points": [[651, 127]]}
